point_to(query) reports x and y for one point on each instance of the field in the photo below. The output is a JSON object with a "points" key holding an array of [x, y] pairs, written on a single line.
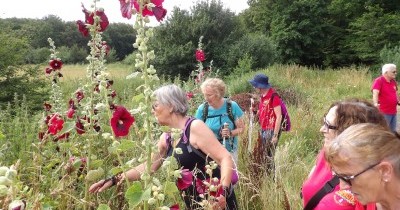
{"points": [[44, 181]]}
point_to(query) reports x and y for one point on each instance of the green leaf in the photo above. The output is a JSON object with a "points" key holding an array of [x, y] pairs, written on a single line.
{"points": [[68, 126], [126, 145], [170, 189], [134, 194], [103, 207]]}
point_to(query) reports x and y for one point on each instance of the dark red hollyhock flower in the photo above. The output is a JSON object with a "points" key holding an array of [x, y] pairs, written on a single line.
{"points": [[89, 17], [121, 121], [82, 28], [47, 106], [79, 95], [70, 113], [112, 94], [80, 129], [174, 207], [55, 124], [200, 55], [48, 70], [56, 64], [126, 8], [186, 180], [158, 11], [96, 88]]}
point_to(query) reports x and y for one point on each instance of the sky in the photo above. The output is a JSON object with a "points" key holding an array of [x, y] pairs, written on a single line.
{"points": [[70, 10]]}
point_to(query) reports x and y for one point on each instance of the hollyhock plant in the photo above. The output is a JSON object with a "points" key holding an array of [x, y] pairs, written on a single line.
{"points": [[189, 95], [200, 57], [185, 180], [48, 70], [121, 121]]}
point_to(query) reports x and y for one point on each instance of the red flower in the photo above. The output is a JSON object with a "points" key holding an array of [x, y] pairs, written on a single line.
{"points": [[121, 121], [186, 180], [80, 129], [89, 19], [61, 137], [79, 95], [48, 70], [112, 94], [126, 8], [200, 55], [189, 95], [158, 11], [174, 207], [82, 28], [55, 124], [70, 113], [56, 64]]}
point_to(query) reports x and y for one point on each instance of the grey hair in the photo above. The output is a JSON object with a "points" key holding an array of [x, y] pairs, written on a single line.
{"points": [[388, 67], [173, 96]]}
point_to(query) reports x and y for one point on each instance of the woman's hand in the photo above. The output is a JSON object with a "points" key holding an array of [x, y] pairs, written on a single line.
{"points": [[220, 203], [100, 186]]}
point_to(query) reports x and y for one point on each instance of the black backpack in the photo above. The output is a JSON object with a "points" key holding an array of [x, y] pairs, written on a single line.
{"points": [[228, 111]]}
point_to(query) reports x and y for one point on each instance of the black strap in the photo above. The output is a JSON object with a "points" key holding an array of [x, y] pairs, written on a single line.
{"points": [[327, 188], [228, 111]]}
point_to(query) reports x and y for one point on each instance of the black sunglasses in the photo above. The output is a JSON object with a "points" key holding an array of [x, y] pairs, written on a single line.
{"points": [[348, 179], [329, 126]]}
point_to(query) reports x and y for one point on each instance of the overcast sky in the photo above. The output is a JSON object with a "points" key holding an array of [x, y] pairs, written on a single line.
{"points": [[70, 10]]}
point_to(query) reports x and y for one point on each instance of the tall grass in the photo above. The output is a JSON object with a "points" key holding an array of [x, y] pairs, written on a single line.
{"points": [[307, 92]]}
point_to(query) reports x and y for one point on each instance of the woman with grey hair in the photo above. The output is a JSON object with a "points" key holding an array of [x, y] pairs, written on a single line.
{"points": [[366, 159], [223, 116], [198, 146]]}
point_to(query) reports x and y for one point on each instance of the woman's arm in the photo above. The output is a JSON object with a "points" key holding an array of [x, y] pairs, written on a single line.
{"points": [[134, 173], [201, 137]]}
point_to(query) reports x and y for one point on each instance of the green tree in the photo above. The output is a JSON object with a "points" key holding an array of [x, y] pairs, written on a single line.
{"points": [[16, 78], [176, 40]]}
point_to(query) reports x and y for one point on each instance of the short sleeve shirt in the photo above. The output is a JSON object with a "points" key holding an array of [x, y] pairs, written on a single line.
{"points": [[216, 119], [266, 113], [387, 97]]}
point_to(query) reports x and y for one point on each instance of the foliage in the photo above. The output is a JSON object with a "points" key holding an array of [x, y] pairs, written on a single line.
{"points": [[176, 39], [255, 45]]}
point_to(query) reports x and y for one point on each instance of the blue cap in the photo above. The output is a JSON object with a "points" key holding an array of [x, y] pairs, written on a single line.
{"points": [[260, 81]]}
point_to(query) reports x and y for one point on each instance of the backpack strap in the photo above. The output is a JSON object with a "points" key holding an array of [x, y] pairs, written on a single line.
{"points": [[327, 188], [205, 111], [228, 111]]}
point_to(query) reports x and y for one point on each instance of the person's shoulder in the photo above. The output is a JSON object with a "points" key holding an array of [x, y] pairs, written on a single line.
{"points": [[339, 200]]}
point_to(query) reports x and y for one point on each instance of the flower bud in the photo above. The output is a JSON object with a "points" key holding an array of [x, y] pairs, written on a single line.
{"points": [[16, 205], [5, 181], [3, 190], [152, 201], [11, 174], [3, 170]]}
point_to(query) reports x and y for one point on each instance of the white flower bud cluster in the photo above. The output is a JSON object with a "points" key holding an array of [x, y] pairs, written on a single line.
{"points": [[8, 178]]}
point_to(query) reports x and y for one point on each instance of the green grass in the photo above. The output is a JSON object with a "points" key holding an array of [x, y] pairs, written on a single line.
{"points": [[308, 94]]}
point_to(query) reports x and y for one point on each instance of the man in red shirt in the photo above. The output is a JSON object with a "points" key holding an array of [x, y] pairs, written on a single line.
{"points": [[269, 111], [384, 94]]}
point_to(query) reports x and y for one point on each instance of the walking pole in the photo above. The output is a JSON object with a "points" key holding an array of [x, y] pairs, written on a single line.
{"points": [[226, 125], [251, 124]]}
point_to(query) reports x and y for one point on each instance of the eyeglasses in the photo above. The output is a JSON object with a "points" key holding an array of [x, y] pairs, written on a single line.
{"points": [[154, 106], [329, 126], [394, 72], [348, 179]]}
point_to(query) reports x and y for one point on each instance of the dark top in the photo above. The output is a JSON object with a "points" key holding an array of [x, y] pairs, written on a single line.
{"points": [[195, 163]]}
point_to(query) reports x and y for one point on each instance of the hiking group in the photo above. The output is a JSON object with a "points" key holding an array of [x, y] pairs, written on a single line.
{"points": [[368, 171]]}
